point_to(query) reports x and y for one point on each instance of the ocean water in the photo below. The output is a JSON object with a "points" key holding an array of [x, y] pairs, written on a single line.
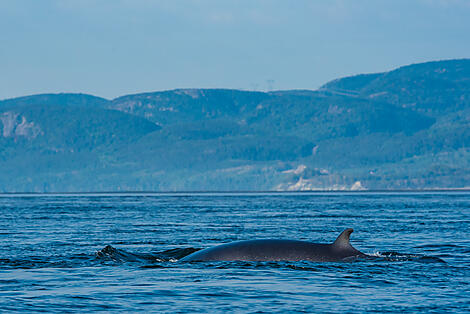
{"points": [[98, 252]]}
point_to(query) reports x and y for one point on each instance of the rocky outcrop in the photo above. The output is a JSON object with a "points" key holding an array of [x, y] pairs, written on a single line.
{"points": [[15, 125]]}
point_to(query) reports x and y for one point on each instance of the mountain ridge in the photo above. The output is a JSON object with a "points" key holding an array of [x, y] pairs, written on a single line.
{"points": [[403, 129]]}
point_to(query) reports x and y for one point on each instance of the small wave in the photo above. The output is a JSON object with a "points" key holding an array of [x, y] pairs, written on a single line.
{"points": [[440, 246], [112, 256], [109, 253], [31, 262], [401, 257], [175, 254]]}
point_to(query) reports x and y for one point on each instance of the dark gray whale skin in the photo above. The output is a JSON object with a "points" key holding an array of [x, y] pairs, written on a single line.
{"points": [[279, 250]]}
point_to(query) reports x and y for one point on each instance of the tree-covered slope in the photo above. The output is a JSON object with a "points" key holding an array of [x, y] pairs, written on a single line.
{"points": [[407, 128], [434, 87], [60, 139], [189, 105], [63, 99]]}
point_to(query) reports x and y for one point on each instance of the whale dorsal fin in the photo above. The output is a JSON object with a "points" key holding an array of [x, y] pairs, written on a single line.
{"points": [[343, 239]]}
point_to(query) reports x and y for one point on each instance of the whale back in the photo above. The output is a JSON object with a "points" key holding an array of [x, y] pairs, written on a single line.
{"points": [[279, 250]]}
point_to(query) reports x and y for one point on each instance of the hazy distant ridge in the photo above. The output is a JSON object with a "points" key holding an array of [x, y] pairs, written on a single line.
{"points": [[407, 128]]}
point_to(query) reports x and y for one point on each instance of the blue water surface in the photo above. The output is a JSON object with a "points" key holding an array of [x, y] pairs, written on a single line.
{"points": [[102, 252]]}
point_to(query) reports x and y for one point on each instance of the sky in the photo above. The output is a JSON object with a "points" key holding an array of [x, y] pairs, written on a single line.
{"points": [[110, 48]]}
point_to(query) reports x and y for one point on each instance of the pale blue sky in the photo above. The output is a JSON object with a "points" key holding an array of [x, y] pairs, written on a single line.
{"points": [[114, 47]]}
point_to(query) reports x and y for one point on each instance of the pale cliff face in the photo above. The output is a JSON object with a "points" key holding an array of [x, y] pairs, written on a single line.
{"points": [[14, 125]]}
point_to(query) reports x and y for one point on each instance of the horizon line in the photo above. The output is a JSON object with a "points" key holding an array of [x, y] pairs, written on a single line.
{"points": [[437, 190]]}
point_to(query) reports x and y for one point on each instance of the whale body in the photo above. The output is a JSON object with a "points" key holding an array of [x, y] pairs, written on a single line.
{"points": [[279, 250]]}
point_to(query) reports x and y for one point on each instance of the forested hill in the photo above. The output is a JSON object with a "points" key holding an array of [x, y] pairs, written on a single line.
{"points": [[404, 129]]}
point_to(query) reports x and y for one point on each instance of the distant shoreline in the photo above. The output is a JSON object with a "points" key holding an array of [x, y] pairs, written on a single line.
{"points": [[123, 193]]}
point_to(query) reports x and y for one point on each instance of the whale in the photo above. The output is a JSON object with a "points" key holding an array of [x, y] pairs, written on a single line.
{"points": [[279, 250]]}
